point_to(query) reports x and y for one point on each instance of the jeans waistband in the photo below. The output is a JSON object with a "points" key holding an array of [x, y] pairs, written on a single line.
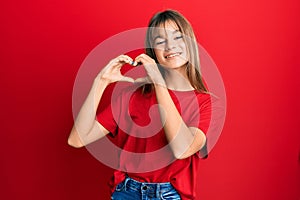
{"points": [[144, 187]]}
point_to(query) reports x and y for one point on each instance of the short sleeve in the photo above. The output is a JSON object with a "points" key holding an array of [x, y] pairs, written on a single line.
{"points": [[201, 115], [201, 118]]}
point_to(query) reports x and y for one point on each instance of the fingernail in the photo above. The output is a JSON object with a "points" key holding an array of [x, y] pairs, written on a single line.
{"points": [[131, 62]]}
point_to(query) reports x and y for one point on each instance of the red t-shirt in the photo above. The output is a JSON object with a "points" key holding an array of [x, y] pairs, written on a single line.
{"points": [[134, 121]]}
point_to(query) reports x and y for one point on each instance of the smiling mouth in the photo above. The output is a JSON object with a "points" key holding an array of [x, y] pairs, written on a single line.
{"points": [[172, 55]]}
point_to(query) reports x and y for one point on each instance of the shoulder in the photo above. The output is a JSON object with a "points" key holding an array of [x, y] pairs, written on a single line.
{"points": [[203, 96]]}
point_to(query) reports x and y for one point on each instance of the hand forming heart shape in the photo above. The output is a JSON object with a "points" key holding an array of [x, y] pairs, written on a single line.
{"points": [[111, 72]]}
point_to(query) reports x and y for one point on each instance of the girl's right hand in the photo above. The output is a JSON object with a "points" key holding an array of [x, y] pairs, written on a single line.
{"points": [[111, 72]]}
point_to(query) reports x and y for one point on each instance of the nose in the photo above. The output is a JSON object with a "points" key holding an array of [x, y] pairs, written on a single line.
{"points": [[170, 45]]}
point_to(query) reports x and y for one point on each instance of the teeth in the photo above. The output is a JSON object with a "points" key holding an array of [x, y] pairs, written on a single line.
{"points": [[172, 55]]}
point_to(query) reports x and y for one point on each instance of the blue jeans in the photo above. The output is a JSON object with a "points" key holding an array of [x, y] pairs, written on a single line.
{"points": [[131, 189]]}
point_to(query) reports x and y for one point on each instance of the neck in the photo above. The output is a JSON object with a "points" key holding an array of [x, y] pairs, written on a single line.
{"points": [[176, 79]]}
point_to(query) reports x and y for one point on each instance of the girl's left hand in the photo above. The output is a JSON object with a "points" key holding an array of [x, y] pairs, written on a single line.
{"points": [[153, 73]]}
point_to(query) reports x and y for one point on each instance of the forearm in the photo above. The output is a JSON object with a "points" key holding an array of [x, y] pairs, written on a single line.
{"points": [[86, 128], [85, 120], [179, 136]]}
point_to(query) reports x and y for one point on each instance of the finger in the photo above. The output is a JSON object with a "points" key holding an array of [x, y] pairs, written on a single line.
{"points": [[134, 63], [120, 61], [124, 58], [145, 56], [140, 59], [144, 59], [116, 64]]}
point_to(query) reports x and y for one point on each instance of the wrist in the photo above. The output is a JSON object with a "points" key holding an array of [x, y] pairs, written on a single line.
{"points": [[159, 85], [99, 80], [158, 81]]}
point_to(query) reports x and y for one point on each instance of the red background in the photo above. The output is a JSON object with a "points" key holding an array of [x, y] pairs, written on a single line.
{"points": [[255, 45]]}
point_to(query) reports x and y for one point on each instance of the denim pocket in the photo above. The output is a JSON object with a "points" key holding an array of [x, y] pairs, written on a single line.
{"points": [[120, 187], [170, 195]]}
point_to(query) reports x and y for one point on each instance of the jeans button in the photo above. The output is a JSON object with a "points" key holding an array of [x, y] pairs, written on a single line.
{"points": [[144, 187]]}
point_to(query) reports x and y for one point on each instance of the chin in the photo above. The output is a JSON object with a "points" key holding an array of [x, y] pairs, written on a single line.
{"points": [[174, 65]]}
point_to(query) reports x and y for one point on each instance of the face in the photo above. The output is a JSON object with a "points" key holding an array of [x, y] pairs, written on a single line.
{"points": [[169, 46]]}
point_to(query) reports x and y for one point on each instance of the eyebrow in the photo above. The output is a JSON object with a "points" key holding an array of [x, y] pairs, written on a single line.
{"points": [[159, 36]]}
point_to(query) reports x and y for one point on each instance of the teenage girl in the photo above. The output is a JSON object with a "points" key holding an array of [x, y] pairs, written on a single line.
{"points": [[172, 96]]}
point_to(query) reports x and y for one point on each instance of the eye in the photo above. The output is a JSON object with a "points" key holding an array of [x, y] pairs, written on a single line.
{"points": [[178, 37], [158, 42]]}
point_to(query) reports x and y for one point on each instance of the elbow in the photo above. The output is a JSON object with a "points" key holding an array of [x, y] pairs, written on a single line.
{"points": [[75, 144], [74, 139], [181, 155], [202, 150]]}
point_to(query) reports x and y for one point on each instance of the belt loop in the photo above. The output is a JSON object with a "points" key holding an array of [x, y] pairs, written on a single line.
{"points": [[158, 190], [125, 183]]}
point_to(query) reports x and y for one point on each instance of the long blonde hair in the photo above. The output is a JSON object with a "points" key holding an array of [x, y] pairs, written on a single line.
{"points": [[193, 65]]}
